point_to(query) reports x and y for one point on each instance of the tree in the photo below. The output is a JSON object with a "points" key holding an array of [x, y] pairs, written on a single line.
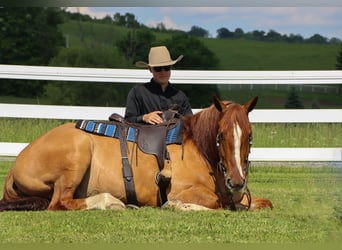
{"points": [[335, 40], [317, 39], [196, 54], [119, 19], [84, 93], [198, 57], [295, 38], [135, 44], [224, 33], [160, 27], [238, 33], [128, 20], [198, 32], [293, 100], [258, 35], [107, 19], [29, 36], [273, 36], [339, 60]]}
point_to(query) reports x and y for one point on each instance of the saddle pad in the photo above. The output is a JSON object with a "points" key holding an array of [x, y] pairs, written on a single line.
{"points": [[110, 129]]}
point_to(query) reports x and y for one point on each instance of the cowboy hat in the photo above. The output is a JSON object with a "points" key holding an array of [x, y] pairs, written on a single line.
{"points": [[158, 56]]}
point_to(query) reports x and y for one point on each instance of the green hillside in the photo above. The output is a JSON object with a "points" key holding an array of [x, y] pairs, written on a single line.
{"points": [[233, 54], [255, 55]]}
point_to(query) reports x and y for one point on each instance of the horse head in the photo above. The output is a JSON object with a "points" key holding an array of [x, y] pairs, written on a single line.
{"points": [[234, 140]]}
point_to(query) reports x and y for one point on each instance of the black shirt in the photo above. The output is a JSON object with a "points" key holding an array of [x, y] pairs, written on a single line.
{"points": [[149, 97]]}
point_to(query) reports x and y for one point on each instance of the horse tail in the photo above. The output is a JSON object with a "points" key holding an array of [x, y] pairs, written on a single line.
{"points": [[13, 201]]}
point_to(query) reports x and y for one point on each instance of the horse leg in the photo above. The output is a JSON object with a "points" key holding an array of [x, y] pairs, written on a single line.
{"points": [[104, 201], [63, 198], [178, 205], [197, 197], [256, 203]]}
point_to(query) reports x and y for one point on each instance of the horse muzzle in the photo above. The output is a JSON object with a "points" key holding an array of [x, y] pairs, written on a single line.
{"points": [[235, 186]]}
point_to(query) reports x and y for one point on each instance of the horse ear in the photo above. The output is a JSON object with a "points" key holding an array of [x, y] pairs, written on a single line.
{"points": [[218, 103], [250, 105]]}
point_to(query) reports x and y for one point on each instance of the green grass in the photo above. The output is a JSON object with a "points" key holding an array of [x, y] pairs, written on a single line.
{"points": [[89, 33], [297, 135], [275, 96], [264, 135], [256, 55], [307, 209]]}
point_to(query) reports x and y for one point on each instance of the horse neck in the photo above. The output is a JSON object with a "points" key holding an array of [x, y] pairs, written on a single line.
{"points": [[202, 128]]}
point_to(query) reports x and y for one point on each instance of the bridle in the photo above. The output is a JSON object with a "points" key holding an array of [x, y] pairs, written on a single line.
{"points": [[221, 166]]}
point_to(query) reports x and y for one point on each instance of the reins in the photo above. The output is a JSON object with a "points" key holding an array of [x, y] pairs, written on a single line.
{"points": [[221, 166]]}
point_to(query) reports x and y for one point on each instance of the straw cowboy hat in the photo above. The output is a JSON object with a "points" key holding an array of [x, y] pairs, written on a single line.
{"points": [[158, 56]]}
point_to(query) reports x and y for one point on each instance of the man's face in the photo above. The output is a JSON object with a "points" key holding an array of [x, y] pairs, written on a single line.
{"points": [[161, 74]]}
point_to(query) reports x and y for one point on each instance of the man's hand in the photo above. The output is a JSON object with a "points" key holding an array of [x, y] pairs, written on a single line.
{"points": [[153, 117]]}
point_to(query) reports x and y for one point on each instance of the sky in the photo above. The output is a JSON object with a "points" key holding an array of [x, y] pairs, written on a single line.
{"points": [[305, 21]]}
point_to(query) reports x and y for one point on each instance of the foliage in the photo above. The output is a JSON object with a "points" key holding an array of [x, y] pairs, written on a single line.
{"points": [[196, 56], [198, 32], [28, 36], [339, 60], [317, 38], [273, 36], [97, 56], [96, 94], [224, 33], [128, 20], [293, 100], [75, 16], [136, 44]]}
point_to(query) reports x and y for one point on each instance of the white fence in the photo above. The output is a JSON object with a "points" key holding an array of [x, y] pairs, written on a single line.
{"points": [[180, 77]]}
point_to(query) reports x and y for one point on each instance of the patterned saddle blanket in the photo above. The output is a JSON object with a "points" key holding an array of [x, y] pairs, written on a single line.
{"points": [[151, 139]]}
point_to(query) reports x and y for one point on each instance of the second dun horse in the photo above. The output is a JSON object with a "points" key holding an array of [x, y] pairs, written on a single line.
{"points": [[71, 169]]}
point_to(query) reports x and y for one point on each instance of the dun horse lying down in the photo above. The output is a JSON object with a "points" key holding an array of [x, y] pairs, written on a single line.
{"points": [[71, 169]]}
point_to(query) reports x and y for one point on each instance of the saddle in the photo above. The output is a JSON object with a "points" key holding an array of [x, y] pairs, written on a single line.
{"points": [[151, 139]]}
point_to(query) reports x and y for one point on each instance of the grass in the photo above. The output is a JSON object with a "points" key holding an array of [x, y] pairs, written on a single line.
{"points": [[307, 209], [297, 135], [264, 135], [256, 55], [275, 96]]}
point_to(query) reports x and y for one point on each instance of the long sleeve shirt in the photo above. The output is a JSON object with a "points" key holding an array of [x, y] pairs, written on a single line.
{"points": [[149, 97]]}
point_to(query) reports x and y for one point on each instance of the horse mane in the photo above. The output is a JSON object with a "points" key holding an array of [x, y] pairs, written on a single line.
{"points": [[202, 128]]}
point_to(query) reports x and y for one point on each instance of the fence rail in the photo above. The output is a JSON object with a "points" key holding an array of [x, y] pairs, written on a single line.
{"points": [[257, 154], [102, 113], [180, 77]]}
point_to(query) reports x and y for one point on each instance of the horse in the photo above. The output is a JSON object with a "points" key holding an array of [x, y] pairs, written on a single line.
{"points": [[71, 169]]}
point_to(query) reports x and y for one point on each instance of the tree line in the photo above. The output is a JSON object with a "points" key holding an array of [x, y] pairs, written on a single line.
{"points": [[128, 20]]}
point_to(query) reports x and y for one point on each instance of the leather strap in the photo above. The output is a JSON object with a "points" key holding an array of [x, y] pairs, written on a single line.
{"points": [[127, 170]]}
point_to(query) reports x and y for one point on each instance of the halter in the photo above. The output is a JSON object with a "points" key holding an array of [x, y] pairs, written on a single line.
{"points": [[221, 166]]}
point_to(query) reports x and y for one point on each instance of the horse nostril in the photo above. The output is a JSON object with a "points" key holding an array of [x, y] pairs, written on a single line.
{"points": [[235, 186]]}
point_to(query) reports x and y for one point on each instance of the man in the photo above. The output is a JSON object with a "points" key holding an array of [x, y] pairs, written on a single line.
{"points": [[146, 102]]}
